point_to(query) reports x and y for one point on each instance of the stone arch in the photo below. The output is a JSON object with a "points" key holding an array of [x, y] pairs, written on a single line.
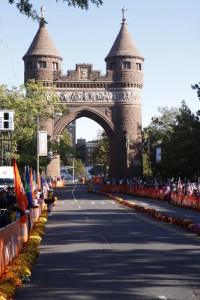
{"points": [[79, 112]]}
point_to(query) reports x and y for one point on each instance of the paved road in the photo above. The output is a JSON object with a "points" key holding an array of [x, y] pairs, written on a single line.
{"points": [[95, 248]]}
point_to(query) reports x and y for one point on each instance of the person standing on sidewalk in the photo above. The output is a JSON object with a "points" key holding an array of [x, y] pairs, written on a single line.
{"points": [[49, 201]]}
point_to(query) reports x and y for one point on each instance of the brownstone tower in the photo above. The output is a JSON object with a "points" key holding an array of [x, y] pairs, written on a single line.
{"points": [[42, 60], [113, 100], [126, 64]]}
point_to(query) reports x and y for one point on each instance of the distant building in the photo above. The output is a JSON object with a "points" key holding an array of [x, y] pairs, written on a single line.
{"points": [[89, 150], [85, 150]]}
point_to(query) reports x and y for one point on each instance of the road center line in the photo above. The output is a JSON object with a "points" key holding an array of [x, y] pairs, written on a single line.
{"points": [[162, 297], [104, 239]]}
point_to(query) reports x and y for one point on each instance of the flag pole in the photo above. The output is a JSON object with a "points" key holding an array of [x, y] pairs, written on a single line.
{"points": [[38, 162]]}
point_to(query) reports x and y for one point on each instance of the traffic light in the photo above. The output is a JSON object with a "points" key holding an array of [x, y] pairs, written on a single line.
{"points": [[7, 120]]}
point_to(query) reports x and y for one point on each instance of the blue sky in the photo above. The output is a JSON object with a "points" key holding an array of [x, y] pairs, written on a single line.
{"points": [[166, 32]]}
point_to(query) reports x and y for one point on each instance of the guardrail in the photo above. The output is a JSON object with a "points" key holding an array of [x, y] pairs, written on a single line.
{"points": [[14, 235], [180, 199]]}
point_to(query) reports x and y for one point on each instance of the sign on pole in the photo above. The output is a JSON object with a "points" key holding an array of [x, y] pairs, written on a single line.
{"points": [[158, 154], [42, 143], [7, 120]]}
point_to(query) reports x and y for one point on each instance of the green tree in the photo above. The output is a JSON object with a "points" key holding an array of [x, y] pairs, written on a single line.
{"points": [[26, 6], [178, 135], [157, 134], [100, 155], [79, 168], [65, 148], [197, 88], [182, 149], [28, 102]]}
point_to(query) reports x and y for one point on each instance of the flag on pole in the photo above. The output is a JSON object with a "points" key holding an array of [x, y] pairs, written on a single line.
{"points": [[34, 180], [28, 190], [32, 184], [179, 183], [19, 189], [39, 182], [42, 185]]}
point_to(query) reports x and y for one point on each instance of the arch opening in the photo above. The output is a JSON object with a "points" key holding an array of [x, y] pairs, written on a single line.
{"points": [[95, 163]]}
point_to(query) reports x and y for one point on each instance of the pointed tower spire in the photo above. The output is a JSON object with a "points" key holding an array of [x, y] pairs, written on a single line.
{"points": [[42, 59], [124, 44]]}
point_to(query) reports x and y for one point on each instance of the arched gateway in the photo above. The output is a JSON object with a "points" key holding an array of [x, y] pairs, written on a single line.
{"points": [[113, 101]]}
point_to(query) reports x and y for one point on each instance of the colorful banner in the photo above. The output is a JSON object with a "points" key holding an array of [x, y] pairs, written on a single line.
{"points": [[29, 194], [32, 184], [19, 189]]}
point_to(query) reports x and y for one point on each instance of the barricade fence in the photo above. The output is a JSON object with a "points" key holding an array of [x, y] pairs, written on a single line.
{"points": [[184, 200], [14, 235]]}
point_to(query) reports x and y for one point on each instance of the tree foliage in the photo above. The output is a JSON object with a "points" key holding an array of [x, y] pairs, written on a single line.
{"points": [[26, 7], [197, 88], [100, 155], [28, 102], [66, 149], [178, 135]]}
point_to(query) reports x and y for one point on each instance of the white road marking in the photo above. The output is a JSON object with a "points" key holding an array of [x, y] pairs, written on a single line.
{"points": [[104, 239], [79, 207], [92, 202], [162, 297], [87, 218], [102, 202]]}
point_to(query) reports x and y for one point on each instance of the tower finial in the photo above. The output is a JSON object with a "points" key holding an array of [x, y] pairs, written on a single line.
{"points": [[124, 15], [42, 11]]}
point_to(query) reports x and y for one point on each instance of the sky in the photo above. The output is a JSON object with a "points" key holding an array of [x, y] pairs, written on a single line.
{"points": [[166, 32]]}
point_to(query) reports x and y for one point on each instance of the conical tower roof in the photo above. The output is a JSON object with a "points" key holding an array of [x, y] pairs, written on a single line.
{"points": [[43, 45], [124, 44]]}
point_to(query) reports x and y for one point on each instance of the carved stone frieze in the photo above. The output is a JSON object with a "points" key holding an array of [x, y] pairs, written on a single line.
{"points": [[133, 96]]}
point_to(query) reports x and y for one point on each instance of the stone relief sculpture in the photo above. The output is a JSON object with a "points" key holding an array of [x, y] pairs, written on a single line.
{"points": [[99, 96], [84, 73]]}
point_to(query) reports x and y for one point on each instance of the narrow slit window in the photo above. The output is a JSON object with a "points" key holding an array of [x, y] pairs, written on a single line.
{"points": [[126, 65], [55, 66], [42, 64], [138, 66]]}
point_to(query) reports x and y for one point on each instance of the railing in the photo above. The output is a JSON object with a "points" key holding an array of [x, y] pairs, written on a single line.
{"points": [[180, 199], [14, 235]]}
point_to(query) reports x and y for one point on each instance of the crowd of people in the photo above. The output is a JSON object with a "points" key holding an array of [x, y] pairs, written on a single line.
{"points": [[10, 210], [184, 187]]}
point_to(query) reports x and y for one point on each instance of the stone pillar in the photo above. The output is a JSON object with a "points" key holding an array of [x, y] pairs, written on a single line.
{"points": [[125, 147], [53, 168]]}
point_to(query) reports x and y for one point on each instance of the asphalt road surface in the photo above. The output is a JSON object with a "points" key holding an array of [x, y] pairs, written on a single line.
{"points": [[95, 248]]}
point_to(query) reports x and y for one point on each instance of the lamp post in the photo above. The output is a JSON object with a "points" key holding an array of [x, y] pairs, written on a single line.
{"points": [[73, 170]]}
